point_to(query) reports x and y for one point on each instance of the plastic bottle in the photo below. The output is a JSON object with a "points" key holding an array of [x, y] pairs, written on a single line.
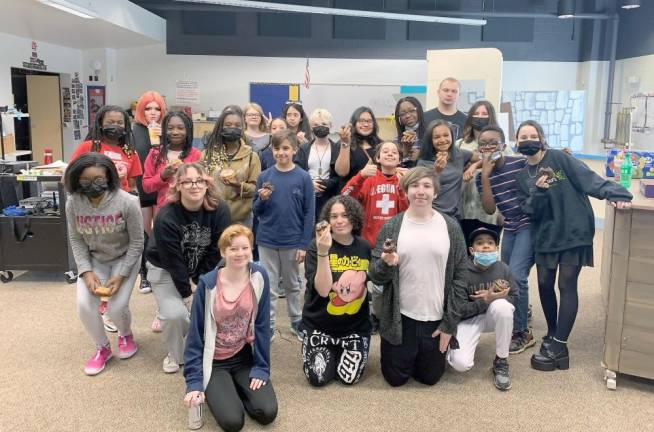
{"points": [[626, 171], [47, 156]]}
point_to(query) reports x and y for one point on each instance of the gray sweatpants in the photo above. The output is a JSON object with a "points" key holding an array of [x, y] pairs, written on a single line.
{"points": [[175, 318], [117, 306], [281, 263]]}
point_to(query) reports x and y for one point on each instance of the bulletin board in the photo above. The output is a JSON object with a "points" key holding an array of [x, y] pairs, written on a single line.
{"points": [[273, 96]]}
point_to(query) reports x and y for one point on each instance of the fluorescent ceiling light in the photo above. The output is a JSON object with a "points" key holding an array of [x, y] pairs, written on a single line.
{"points": [[71, 8], [280, 7], [630, 4]]}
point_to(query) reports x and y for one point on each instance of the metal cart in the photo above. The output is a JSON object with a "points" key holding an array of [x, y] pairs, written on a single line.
{"points": [[34, 242]]}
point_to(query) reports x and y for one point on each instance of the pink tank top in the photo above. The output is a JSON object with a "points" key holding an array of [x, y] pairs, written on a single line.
{"points": [[232, 322]]}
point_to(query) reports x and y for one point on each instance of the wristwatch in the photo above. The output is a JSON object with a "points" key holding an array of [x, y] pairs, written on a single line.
{"points": [[345, 145]]}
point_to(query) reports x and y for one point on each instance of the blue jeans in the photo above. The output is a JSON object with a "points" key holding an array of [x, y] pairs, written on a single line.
{"points": [[518, 254]]}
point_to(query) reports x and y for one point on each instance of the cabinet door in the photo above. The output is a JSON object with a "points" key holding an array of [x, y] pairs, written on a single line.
{"points": [[33, 243], [44, 105]]}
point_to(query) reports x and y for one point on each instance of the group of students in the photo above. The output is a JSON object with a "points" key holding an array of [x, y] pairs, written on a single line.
{"points": [[407, 239]]}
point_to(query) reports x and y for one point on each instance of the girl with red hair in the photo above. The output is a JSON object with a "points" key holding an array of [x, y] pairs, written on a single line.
{"points": [[150, 109]]}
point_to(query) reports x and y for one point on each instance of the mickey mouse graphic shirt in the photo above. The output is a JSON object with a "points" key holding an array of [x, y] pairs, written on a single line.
{"points": [[345, 310]]}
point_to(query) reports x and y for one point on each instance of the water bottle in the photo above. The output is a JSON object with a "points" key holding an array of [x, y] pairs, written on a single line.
{"points": [[626, 171]]}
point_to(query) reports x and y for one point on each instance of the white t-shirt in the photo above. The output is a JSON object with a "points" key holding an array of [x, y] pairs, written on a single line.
{"points": [[319, 158], [423, 248]]}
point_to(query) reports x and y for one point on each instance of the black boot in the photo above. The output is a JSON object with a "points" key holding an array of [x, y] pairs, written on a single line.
{"points": [[552, 356], [546, 343]]}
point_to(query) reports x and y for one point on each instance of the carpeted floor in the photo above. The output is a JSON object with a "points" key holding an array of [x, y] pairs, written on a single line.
{"points": [[43, 387]]}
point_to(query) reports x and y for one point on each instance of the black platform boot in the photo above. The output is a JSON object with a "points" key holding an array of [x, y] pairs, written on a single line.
{"points": [[546, 343], [552, 356]]}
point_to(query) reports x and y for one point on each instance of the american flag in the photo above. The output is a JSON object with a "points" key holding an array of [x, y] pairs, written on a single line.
{"points": [[307, 75]]}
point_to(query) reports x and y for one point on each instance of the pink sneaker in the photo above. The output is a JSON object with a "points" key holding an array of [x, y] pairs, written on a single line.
{"points": [[126, 347], [156, 325], [95, 364]]}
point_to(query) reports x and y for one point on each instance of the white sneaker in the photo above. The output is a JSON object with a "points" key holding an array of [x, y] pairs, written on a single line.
{"points": [[169, 365], [109, 324]]}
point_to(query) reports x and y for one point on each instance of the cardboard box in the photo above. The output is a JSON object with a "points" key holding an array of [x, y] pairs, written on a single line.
{"points": [[642, 162], [647, 188]]}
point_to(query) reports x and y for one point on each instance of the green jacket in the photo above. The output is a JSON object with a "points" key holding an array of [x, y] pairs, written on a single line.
{"points": [[456, 275]]}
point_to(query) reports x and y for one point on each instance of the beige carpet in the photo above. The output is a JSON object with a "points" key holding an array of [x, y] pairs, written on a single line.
{"points": [[43, 387]]}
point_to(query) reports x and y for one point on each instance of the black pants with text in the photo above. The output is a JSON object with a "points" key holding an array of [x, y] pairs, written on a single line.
{"points": [[326, 357]]}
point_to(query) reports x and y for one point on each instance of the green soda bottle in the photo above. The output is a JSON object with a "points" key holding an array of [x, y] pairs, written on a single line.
{"points": [[626, 171]]}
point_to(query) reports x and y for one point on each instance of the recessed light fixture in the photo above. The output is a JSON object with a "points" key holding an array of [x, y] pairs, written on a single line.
{"points": [[71, 8], [630, 4], [280, 7], [566, 9]]}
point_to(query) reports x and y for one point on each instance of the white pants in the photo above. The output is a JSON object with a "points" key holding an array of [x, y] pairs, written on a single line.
{"points": [[175, 318], [117, 306], [498, 318]]}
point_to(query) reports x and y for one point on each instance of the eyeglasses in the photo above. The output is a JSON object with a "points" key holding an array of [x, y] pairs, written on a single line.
{"points": [[365, 121], [253, 115], [406, 113], [98, 181], [490, 143], [188, 184]]}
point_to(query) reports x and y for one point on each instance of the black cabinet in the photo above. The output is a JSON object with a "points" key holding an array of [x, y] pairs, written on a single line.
{"points": [[35, 242]]}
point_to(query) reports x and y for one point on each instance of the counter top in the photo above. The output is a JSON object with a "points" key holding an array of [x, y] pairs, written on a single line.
{"points": [[640, 202]]}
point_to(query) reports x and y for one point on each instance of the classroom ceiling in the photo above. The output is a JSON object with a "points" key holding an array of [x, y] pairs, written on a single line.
{"points": [[31, 19]]}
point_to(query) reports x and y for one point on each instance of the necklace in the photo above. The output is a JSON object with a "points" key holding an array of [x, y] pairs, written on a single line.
{"points": [[320, 158], [537, 166]]}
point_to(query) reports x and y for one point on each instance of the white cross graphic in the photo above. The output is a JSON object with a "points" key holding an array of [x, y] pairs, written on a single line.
{"points": [[385, 204]]}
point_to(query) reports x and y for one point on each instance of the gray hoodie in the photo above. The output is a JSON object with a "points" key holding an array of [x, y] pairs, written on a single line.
{"points": [[112, 231]]}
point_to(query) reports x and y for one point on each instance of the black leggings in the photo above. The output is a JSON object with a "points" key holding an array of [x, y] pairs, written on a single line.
{"points": [[144, 270], [567, 310], [228, 393]]}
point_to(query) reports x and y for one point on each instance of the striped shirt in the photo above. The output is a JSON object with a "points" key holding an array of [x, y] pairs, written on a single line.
{"points": [[505, 191]]}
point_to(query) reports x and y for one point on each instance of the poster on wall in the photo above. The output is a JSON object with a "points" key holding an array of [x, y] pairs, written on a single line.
{"points": [[96, 97], [187, 92]]}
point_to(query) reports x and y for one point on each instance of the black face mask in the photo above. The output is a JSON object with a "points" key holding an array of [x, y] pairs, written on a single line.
{"points": [[231, 134], [321, 131], [478, 123], [529, 147], [114, 132], [93, 190]]}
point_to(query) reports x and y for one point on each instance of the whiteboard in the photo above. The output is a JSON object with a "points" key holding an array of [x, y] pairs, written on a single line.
{"points": [[342, 99]]}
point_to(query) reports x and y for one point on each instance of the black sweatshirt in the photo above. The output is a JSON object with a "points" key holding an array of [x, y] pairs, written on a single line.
{"points": [[562, 217], [483, 279], [185, 243]]}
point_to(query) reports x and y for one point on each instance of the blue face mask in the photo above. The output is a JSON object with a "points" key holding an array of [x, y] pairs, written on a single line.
{"points": [[485, 259]]}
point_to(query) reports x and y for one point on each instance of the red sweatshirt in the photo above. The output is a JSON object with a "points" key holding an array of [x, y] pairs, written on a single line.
{"points": [[152, 174], [381, 197]]}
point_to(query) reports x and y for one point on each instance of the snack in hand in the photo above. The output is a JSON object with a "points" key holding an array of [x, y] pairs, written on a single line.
{"points": [[102, 291], [227, 175], [546, 171], [321, 227], [268, 185], [389, 246], [500, 285]]}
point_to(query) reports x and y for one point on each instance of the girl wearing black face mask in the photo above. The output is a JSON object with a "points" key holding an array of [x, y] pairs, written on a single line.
{"points": [[318, 157], [111, 135], [553, 191], [105, 229], [233, 164], [480, 115]]}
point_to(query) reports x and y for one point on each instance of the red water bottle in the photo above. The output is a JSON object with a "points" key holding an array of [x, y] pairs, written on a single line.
{"points": [[47, 156]]}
